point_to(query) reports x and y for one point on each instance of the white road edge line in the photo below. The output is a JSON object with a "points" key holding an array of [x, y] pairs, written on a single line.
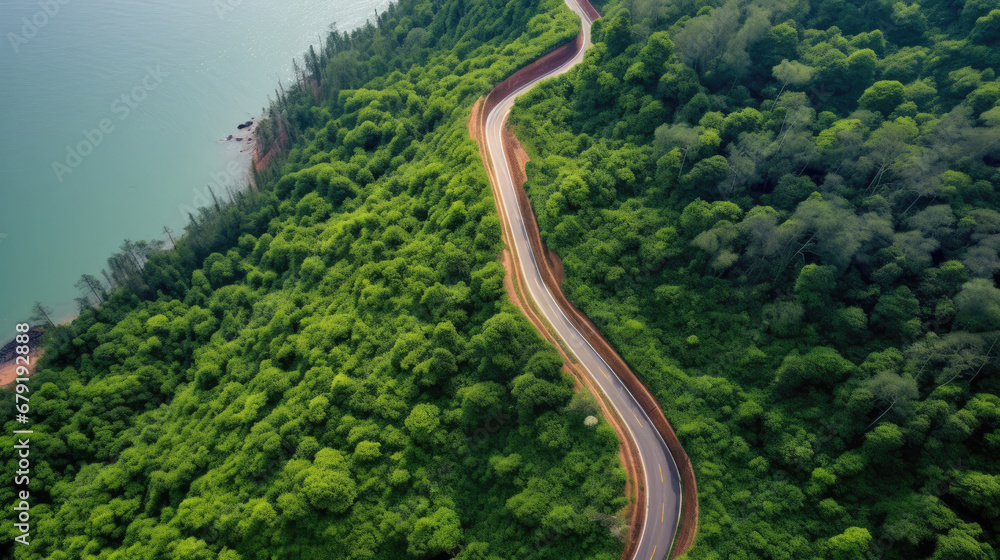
{"points": [[506, 104]]}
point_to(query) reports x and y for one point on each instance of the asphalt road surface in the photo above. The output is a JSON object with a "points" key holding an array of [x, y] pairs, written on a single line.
{"points": [[662, 481]]}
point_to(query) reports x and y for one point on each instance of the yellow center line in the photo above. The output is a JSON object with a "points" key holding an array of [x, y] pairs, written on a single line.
{"points": [[602, 371], [661, 472], [637, 419], [663, 512], [654, 553]]}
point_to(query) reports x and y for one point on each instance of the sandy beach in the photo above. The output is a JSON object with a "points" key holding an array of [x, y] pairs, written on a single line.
{"points": [[8, 354], [8, 370]]}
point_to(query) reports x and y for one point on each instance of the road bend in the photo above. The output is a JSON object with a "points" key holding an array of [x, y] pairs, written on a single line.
{"points": [[662, 480]]}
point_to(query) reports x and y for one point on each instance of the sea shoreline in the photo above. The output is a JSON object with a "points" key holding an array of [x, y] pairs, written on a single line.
{"points": [[246, 140]]}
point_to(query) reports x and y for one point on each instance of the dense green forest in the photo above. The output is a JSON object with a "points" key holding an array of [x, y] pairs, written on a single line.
{"points": [[326, 366], [784, 216]]}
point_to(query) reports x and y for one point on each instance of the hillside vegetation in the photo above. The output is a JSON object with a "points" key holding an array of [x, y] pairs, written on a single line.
{"points": [[327, 366], [784, 215]]}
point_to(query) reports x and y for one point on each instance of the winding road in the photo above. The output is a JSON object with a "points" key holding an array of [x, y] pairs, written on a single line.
{"points": [[662, 480]]}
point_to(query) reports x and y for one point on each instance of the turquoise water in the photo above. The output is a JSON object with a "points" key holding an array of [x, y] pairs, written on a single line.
{"points": [[112, 115]]}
